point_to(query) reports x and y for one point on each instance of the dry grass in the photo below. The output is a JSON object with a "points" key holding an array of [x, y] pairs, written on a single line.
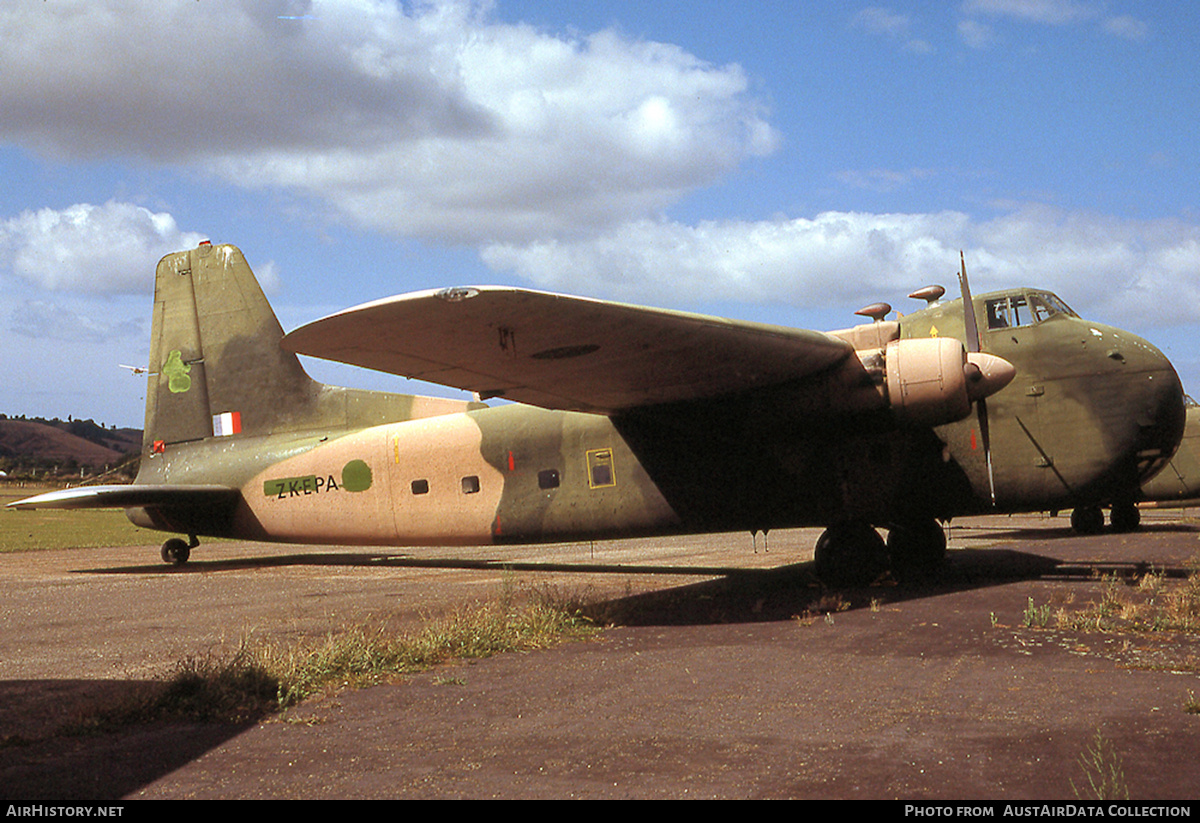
{"points": [[824, 609], [1152, 603], [1155, 618], [363, 655], [263, 677]]}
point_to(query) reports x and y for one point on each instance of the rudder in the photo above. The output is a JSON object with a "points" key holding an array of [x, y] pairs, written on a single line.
{"points": [[216, 364]]}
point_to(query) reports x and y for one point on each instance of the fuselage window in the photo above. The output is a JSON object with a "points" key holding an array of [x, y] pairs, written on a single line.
{"points": [[600, 468], [548, 479], [420, 487], [470, 484]]}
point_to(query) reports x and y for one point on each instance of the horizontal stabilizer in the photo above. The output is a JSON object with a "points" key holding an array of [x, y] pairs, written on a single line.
{"points": [[129, 496], [563, 352]]}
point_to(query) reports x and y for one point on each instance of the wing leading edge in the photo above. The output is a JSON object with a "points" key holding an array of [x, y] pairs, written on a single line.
{"points": [[563, 352], [130, 496]]}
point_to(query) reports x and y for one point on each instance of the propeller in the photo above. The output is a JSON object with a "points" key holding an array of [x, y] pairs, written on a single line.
{"points": [[974, 346]]}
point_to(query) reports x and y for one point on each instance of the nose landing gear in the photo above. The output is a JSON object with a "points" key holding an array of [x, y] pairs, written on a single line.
{"points": [[1124, 517]]}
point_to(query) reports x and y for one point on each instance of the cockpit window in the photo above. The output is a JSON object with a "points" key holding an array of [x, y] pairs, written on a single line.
{"points": [[1015, 310], [1046, 305], [1007, 312]]}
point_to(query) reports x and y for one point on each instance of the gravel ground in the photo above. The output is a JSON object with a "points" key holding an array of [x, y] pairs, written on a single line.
{"points": [[718, 684]]}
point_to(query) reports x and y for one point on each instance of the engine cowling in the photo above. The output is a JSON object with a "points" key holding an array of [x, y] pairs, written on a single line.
{"points": [[934, 380]]}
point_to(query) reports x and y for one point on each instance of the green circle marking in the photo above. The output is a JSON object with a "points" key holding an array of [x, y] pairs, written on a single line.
{"points": [[356, 476]]}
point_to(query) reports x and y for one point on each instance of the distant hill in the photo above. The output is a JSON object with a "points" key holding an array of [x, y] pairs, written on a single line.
{"points": [[46, 445]]}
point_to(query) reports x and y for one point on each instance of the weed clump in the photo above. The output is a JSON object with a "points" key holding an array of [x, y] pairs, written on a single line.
{"points": [[1104, 771], [1149, 604], [1035, 616]]}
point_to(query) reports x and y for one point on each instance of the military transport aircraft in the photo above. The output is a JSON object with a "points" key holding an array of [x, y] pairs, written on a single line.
{"points": [[1178, 485], [630, 421]]}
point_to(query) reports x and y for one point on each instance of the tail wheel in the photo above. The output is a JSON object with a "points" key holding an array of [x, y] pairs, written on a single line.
{"points": [[176, 551]]}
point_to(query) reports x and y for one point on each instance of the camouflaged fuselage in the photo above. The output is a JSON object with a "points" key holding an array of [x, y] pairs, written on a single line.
{"points": [[1092, 413]]}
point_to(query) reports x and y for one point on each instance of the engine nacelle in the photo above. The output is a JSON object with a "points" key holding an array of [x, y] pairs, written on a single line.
{"points": [[933, 380]]}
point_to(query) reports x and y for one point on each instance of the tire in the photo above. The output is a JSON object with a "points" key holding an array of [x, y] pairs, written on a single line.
{"points": [[176, 551], [1087, 520]]}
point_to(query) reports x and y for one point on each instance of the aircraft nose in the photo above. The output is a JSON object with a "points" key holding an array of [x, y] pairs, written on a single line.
{"points": [[987, 374], [1140, 394], [1159, 408]]}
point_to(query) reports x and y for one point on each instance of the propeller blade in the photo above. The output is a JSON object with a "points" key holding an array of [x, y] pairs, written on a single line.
{"points": [[981, 411], [972, 342], [994, 372]]}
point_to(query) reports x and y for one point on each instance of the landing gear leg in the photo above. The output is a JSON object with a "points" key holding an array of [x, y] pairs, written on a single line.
{"points": [[917, 548], [176, 551], [850, 554]]}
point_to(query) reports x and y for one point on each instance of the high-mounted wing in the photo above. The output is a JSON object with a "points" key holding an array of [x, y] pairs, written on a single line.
{"points": [[130, 496], [562, 352]]}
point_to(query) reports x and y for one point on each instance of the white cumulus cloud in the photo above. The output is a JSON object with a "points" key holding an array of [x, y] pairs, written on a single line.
{"points": [[1140, 272], [429, 120], [90, 248]]}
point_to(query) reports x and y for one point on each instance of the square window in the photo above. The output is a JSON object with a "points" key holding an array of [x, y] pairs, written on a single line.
{"points": [[600, 468], [548, 479], [470, 484], [420, 487]]}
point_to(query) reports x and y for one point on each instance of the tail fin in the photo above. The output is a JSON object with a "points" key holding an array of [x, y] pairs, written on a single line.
{"points": [[216, 364], [217, 367]]}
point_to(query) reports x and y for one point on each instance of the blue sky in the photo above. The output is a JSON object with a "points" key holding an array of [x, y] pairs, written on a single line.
{"points": [[777, 161]]}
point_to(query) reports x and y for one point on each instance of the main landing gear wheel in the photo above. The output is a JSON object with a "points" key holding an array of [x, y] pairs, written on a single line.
{"points": [[916, 549], [850, 554], [1087, 520], [1125, 517], [177, 551]]}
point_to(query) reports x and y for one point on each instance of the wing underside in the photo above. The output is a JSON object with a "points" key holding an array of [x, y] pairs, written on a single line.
{"points": [[564, 352]]}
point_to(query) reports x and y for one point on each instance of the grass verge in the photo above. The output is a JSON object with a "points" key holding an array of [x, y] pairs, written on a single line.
{"points": [[262, 677], [41, 529], [56, 529]]}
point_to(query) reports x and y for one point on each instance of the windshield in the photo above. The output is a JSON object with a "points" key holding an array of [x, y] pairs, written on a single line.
{"points": [[1024, 310], [1047, 305]]}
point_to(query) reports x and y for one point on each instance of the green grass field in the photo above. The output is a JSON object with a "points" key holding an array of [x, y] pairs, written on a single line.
{"points": [[51, 529]]}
